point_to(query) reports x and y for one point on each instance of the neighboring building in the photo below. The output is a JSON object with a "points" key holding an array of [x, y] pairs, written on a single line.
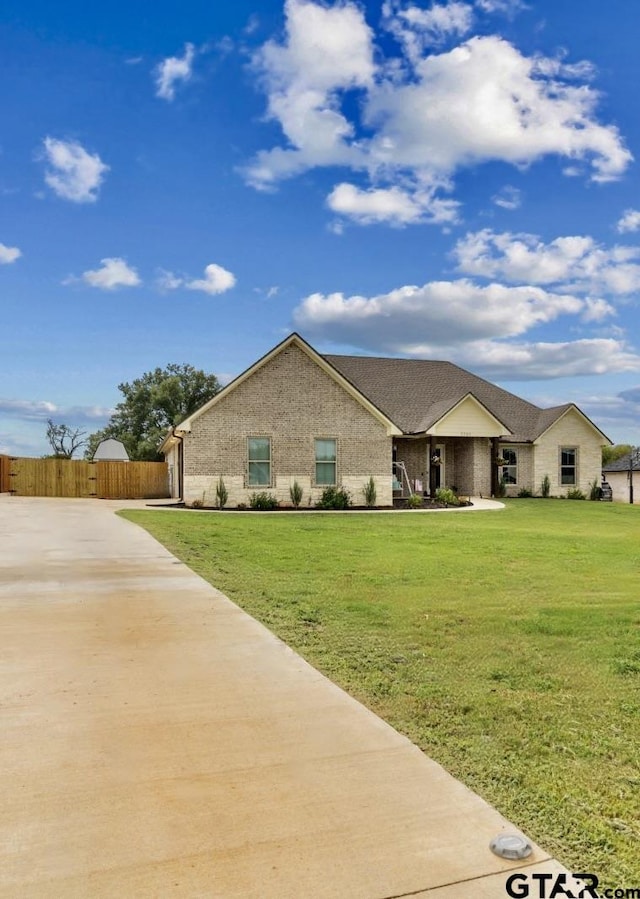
{"points": [[324, 420], [623, 476], [111, 450]]}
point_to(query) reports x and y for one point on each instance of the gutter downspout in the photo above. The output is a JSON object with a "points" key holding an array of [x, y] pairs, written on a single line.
{"points": [[180, 464]]}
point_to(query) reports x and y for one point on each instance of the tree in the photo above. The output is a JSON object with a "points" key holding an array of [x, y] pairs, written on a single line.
{"points": [[151, 405], [613, 453], [63, 440]]}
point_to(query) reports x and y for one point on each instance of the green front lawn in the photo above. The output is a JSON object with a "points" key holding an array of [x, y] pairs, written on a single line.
{"points": [[505, 644]]}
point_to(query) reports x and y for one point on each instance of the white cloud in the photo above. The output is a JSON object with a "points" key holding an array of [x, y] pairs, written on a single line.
{"points": [[420, 118], [543, 361], [73, 174], [417, 29], [326, 50], [439, 313], [576, 262], [216, 280], [630, 221], [482, 101], [477, 327], [8, 254], [393, 205], [508, 197], [172, 70], [113, 273]]}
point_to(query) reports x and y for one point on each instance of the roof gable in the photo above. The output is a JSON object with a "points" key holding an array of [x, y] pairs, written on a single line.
{"points": [[292, 339], [468, 418], [550, 417]]}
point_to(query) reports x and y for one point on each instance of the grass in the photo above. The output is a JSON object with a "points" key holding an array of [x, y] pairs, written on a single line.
{"points": [[505, 644]]}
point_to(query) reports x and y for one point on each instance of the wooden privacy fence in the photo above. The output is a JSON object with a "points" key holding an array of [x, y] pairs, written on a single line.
{"points": [[5, 471], [103, 480]]}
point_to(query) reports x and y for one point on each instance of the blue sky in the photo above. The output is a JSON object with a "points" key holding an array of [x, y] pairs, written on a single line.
{"points": [[188, 182]]}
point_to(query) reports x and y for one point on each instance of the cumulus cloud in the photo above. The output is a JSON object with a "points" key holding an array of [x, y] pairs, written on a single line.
{"points": [[577, 262], [630, 221], [326, 50], [479, 327], [410, 320], [174, 70], [73, 173], [113, 273], [216, 280], [420, 117], [393, 205], [8, 254]]}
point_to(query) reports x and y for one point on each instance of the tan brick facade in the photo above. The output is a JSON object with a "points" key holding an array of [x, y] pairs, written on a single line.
{"points": [[570, 431], [294, 397], [291, 400]]}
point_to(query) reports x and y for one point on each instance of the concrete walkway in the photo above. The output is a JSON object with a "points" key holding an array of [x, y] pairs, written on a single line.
{"points": [[157, 742]]}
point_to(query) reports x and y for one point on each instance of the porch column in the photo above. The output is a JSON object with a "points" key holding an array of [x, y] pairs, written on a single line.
{"points": [[495, 450]]}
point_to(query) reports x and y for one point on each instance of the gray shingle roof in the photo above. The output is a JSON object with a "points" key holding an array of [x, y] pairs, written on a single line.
{"points": [[415, 393], [622, 464]]}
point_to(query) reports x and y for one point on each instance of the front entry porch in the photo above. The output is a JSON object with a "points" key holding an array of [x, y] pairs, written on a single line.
{"points": [[424, 464]]}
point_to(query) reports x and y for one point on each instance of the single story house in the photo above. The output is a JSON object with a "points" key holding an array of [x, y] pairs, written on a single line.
{"points": [[321, 420], [623, 476]]}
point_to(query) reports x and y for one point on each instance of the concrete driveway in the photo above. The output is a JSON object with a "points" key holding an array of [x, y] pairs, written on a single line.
{"points": [[158, 742]]}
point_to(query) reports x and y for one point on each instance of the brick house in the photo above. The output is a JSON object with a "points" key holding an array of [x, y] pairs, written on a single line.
{"points": [[322, 420]]}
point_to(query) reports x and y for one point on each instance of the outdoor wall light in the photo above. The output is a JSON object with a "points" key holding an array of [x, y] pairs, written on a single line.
{"points": [[511, 845]]}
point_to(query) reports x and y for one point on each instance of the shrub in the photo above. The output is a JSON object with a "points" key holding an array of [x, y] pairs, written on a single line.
{"points": [[414, 501], [447, 496], [595, 491], [501, 489], [545, 487], [197, 503], [222, 494], [575, 493], [525, 493], [295, 492], [370, 493], [263, 502], [334, 498]]}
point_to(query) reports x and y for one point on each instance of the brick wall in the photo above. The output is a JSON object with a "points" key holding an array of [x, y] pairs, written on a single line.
{"points": [[571, 431], [293, 401]]}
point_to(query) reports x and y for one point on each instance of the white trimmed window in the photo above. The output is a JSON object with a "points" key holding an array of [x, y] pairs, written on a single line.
{"points": [[259, 467], [326, 462], [510, 467], [568, 466]]}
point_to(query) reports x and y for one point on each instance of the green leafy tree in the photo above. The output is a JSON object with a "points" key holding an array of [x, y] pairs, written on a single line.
{"points": [[63, 440], [151, 405], [613, 453]]}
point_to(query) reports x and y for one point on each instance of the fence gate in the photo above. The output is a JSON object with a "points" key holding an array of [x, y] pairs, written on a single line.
{"points": [[51, 477], [75, 478]]}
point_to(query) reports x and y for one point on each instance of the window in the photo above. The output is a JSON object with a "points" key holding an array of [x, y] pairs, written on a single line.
{"points": [[510, 467], [568, 465], [326, 463], [259, 462]]}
